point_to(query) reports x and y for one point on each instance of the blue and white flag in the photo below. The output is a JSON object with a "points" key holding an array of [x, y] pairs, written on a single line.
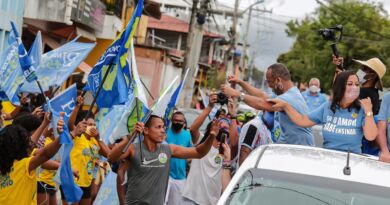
{"points": [[160, 107], [10, 73], [65, 101], [115, 88], [109, 122], [24, 59], [107, 193], [175, 97], [57, 65], [64, 176], [35, 51]]}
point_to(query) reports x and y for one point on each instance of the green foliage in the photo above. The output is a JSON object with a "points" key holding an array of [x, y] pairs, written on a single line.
{"points": [[366, 35], [257, 76], [215, 77]]}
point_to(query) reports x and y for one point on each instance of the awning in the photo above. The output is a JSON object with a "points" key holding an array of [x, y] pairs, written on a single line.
{"points": [[70, 32]]}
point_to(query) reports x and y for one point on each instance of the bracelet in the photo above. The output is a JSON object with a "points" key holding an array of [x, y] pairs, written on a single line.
{"points": [[226, 166], [232, 117]]}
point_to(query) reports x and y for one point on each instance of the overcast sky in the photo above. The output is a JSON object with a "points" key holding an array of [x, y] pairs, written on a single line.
{"points": [[267, 35], [291, 8]]}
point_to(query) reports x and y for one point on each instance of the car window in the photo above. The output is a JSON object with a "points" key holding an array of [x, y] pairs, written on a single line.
{"points": [[279, 188]]}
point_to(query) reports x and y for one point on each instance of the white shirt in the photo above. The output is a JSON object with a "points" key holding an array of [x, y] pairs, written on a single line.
{"points": [[204, 184]]}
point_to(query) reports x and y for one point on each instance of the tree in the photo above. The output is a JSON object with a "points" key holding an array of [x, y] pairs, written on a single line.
{"points": [[366, 35]]}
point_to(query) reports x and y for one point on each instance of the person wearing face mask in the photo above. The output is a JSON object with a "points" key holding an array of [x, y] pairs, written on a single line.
{"points": [[313, 97], [345, 119], [370, 76], [177, 135], [279, 80]]}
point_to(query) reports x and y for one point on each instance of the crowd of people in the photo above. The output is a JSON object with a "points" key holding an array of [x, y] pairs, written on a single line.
{"points": [[180, 164]]}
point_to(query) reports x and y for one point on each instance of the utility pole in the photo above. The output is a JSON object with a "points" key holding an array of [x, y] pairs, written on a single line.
{"points": [[228, 58], [193, 48], [245, 47], [243, 64]]}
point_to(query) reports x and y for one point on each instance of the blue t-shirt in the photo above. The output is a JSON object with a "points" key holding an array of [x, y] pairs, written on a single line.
{"points": [[286, 131], [384, 115], [342, 130], [313, 102], [177, 169]]}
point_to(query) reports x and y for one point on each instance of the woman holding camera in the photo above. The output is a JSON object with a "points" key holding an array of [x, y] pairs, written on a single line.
{"points": [[346, 119]]}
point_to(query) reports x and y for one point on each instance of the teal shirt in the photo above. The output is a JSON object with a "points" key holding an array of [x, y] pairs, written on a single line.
{"points": [[314, 101], [342, 130], [177, 169], [384, 115], [286, 131]]}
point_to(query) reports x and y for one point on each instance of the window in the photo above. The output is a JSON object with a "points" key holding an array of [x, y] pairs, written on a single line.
{"points": [[275, 187]]}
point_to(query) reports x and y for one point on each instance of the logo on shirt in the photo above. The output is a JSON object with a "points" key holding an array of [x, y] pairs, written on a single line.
{"points": [[89, 168], [6, 181], [146, 162], [218, 159], [163, 158], [354, 115]]}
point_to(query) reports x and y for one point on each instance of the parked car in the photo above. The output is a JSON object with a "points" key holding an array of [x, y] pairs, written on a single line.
{"points": [[191, 115], [292, 174]]}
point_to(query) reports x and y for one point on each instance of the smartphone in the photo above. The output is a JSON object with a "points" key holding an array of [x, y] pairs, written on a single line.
{"points": [[223, 138]]}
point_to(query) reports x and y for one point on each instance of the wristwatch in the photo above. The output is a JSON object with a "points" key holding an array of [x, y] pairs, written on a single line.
{"points": [[369, 114], [242, 95]]}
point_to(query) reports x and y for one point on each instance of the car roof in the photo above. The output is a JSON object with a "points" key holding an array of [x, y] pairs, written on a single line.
{"points": [[320, 162]]}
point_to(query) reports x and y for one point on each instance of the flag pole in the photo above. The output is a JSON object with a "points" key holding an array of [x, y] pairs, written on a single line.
{"points": [[98, 91], [147, 90], [138, 134]]}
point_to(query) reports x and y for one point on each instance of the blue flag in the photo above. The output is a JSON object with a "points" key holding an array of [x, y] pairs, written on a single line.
{"points": [[24, 60], [72, 192], [173, 101], [10, 74], [65, 101], [115, 89], [107, 193], [35, 51], [57, 65]]}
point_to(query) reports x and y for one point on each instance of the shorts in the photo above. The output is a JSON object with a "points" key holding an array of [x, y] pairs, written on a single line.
{"points": [[43, 188], [86, 192]]}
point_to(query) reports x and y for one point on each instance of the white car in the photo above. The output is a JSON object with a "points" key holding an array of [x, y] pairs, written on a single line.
{"points": [[291, 174]]}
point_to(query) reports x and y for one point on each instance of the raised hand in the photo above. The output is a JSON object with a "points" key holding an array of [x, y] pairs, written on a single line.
{"points": [[60, 123], [366, 104], [212, 99], [139, 127], [233, 79], [229, 91]]}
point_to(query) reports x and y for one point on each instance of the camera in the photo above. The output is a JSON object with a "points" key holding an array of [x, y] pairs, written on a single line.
{"points": [[329, 34], [222, 99]]}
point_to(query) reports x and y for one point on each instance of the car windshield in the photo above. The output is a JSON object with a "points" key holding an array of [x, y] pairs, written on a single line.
{"points": [[259, 186]]}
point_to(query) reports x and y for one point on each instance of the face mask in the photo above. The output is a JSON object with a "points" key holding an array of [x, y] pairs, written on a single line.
{"points": [[361, 74], [176, 126], [314, 89], [351, 93]]}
